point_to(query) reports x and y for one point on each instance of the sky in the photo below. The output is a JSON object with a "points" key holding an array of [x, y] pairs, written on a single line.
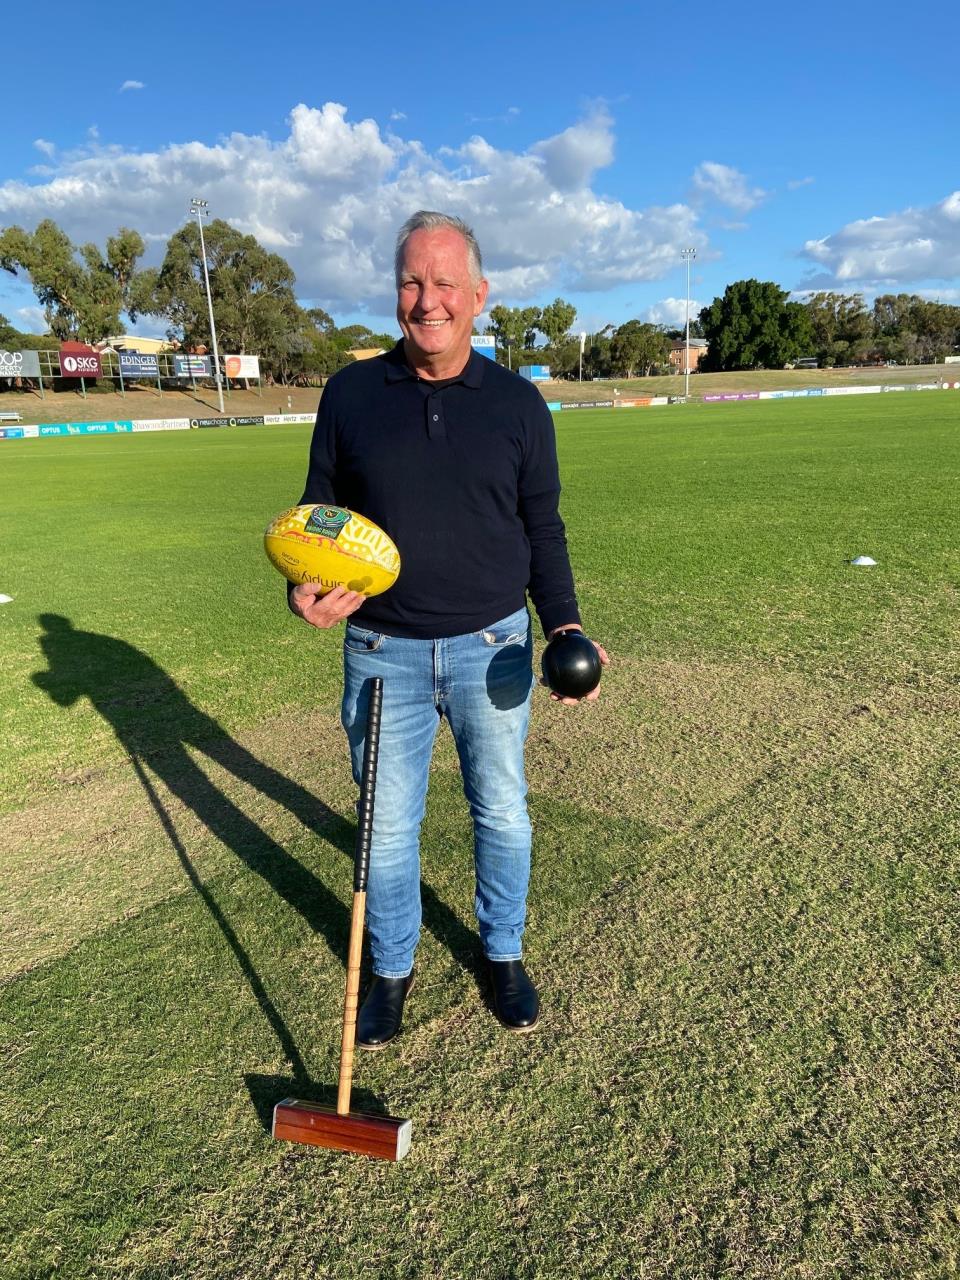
{"points": [[811, 145]]}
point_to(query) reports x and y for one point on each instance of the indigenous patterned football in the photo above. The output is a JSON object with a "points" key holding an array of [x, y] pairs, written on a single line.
{"points": [[333, 546]]}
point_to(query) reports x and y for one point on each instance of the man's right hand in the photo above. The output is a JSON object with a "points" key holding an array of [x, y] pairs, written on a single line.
{"points": [[323, 609]]}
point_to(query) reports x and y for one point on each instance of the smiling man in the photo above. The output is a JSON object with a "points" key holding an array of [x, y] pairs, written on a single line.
{"points": [[455, 458]]}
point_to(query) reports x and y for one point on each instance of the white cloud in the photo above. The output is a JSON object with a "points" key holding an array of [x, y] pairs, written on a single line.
{"points": [[132, 84], [794, 183], [673, 312], [398, 115], [572, 157], [331, 194], [30, 320], [47, 148], [726, 186], [912, 245]]}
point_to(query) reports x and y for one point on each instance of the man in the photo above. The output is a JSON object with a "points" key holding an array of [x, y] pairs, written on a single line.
{"points": [[455, 458]]}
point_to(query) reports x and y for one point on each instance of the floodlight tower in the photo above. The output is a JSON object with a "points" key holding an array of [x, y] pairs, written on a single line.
{"points": [[201, 209], [687, 255]]}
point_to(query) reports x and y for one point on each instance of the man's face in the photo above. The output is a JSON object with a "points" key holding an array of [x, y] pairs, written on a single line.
{"points": [[437, 301]]}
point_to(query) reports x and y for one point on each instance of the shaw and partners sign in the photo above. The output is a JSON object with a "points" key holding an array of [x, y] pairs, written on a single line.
{"points": [[19, 364]]}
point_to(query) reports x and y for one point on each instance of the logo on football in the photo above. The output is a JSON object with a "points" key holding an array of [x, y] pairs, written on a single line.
{"points": [[332, 546]]}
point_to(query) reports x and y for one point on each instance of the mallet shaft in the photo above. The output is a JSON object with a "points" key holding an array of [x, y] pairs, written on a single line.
{"points": [[368, 786]]}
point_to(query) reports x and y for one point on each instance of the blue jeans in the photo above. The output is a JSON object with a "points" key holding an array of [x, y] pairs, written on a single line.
{"points": [[482, 683]]}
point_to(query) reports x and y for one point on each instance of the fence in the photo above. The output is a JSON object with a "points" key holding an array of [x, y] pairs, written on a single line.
{"points": [[171, 369]]}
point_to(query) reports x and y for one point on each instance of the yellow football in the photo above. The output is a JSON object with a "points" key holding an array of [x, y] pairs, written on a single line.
{"points": [[333, 546]]}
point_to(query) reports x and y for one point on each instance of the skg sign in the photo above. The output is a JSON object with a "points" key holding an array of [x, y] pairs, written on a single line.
{"points": [[19, 364], [79, 362]]}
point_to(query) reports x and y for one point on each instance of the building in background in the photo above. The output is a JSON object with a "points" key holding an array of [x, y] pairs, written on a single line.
{"points": [[145, 346], [698, 349]]}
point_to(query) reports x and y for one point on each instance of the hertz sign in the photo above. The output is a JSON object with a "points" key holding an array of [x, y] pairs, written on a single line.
{"points": [[79, 361]]}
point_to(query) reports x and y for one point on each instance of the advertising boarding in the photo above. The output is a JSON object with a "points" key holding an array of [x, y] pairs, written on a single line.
{"points": [[241, 366], [19, 364], [79, 361], [485, 345], [192, 366], [133, 364]]}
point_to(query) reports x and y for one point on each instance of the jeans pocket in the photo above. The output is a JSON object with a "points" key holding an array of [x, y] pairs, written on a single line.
{"points": [[359, 640], [512, 630]]}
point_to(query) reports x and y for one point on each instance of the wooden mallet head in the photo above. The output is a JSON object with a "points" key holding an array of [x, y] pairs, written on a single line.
{"points": [[322, 1126]]}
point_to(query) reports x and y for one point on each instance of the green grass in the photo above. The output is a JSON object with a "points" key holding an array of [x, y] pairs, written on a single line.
{"points": [[744, 918]]}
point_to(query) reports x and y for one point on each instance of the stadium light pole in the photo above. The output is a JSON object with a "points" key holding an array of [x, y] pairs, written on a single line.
{"points": [[687, 255], [202, 210]]}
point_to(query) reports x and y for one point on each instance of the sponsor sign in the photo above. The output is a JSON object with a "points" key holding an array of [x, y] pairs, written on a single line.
{"points": [[19, 364], [275, 419], [161, 424], [78, 361], [733, 395], [535, 372], [791, 395], [11, 433], [133, 364], [241, 366], [852, 391], [485, 346], [192, 366], [634, 404], [84, 428]]}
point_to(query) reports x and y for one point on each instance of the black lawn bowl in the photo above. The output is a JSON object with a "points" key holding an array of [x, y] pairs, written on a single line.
{"points": [[571, 665]]}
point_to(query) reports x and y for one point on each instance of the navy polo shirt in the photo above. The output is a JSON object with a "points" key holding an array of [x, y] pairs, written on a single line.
{"points": [[463, 476]]}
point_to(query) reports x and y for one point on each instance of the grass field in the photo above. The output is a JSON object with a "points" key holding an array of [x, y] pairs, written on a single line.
{"points": [[744, 918]]}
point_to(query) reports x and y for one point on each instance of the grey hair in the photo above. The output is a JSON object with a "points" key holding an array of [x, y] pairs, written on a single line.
{"points": [[427, 220]]}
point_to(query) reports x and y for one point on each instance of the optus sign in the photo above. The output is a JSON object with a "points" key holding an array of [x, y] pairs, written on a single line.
{"points": [[78, 361]]}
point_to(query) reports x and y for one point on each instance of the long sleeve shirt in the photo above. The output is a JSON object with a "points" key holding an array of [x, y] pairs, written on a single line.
{"points": [[463, 476]]}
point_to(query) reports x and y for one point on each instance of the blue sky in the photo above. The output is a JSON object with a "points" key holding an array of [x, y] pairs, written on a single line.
{"points": [[814, 146]]}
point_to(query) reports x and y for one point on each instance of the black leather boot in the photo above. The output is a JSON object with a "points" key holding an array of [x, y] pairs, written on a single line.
{"points": [[381, 1013], [515, 999]]}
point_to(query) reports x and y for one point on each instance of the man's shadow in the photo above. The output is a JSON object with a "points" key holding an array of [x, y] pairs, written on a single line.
{"points": [[155, 722]]}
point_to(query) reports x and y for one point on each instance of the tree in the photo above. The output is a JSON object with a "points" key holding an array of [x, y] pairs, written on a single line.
{"points": [[516, 325], [636, 347], [362, 338], [321, 320], [910, 329], [556, 321], [841, 327], [82, 291], [752, 326], [252, 292]]}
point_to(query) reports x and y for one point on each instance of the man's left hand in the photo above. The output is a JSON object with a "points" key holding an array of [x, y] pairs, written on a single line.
{"points": [[604, 662]]}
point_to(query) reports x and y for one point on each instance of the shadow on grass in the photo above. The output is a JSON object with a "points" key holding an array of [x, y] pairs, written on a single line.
{"points": [[156, 722]]}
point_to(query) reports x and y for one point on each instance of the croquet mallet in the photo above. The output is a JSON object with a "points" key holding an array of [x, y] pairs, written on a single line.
{"points": [[337, 1127]]}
